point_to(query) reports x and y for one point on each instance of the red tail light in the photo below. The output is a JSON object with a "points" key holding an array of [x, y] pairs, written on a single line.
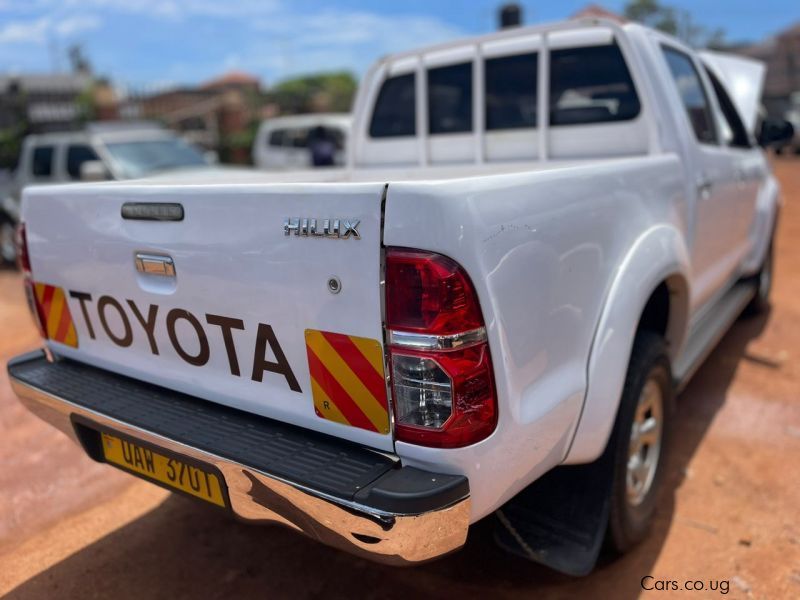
{"points": [[24, 264], [23, 259], [442, 381]]}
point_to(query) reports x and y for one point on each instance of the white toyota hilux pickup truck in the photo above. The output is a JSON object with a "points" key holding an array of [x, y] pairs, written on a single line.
{"points": [[540, 235]]}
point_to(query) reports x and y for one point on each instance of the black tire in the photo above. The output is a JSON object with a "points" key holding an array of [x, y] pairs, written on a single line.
{"points": [[631, 516], [8, 248], [763, 280]]}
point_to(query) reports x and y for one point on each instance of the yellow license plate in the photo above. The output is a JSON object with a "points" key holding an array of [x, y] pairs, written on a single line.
{"points": [[166, 470]]}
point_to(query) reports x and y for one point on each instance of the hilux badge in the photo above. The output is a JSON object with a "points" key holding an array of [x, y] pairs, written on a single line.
{"points": [[331, 228]]}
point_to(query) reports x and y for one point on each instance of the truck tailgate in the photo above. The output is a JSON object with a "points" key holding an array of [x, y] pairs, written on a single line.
{"points": [[251, 318]]}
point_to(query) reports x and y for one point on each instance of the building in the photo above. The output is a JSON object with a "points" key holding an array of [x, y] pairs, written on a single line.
{"points": [[44, 102], [217, 115]]}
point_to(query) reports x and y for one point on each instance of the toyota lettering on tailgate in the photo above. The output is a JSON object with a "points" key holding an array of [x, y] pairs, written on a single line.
{"points": [[144, 320]]}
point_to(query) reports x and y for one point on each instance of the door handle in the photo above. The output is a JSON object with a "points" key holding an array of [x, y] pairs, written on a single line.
{"points": [[155, 264], [704, 187]]}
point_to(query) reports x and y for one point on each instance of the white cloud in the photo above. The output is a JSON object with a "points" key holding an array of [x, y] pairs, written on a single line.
{"points": [[38, 31], [175, 9], [271, 38], [25, 32], [298, 43], [75, 25]]}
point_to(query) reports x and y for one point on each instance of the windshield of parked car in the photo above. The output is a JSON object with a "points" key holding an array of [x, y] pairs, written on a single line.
{"points": [[143, 157]]}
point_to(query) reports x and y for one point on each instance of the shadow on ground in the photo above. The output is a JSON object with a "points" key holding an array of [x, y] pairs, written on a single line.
{"points": [[184, 550]]}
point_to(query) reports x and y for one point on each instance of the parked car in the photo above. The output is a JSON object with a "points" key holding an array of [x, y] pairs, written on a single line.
{"points": [[289, 142], [101, 151], [544, 233], [792, 144]]}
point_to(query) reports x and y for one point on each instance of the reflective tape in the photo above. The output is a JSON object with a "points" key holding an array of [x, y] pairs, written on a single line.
{"points": [[55, 311], [347, 379]]}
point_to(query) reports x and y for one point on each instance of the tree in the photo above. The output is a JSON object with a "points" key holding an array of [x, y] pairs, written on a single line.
{"points": [[674, 21], [78, 60], [315, 93]]}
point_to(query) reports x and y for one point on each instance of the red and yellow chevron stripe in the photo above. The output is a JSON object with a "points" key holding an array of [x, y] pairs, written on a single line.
{"points": [[55, 312], [347, 379]]}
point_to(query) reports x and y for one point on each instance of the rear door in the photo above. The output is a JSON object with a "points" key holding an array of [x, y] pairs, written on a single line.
{"points": [[285, 326], [715, 251]]}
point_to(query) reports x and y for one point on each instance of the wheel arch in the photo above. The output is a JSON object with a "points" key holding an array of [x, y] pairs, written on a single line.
{"points": [[650, 290]]}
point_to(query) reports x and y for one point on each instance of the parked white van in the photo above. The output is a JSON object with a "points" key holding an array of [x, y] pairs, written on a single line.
{"points": [[287, 142]]}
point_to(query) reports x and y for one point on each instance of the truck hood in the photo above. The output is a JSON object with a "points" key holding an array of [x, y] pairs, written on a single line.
{"points": [[744, 80]]}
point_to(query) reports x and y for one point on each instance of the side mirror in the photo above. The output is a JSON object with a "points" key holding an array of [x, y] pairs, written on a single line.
{"points": [[774, 131], [94, 170]]}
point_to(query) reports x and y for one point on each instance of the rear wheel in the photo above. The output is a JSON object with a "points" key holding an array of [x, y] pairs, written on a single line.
{"points": [[763, 280], [640, 441], [8, 249]]}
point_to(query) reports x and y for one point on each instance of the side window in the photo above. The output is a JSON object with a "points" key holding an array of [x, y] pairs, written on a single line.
{"points": [[395, 112], [733, 130], [298, 138], [510, 90], [591, 85], [450, 99], [692, 93], [277, 137], [42, 163], [76, 156]]}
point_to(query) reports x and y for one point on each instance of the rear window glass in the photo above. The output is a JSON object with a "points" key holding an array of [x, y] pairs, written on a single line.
{"points": [[450, 99], [395, 112], [693, 94], [42, 161], [276, 137], [590, 85], [76, 156], [510, 84]]}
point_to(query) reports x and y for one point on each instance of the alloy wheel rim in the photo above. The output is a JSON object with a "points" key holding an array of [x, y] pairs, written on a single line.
{"points": [[644, 448]]}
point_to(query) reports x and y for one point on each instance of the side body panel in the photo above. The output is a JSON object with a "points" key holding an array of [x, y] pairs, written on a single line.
{"points": [[543, 250]]}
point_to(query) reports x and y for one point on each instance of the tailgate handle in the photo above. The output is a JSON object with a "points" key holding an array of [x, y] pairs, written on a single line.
{"points": [[155, 264]]}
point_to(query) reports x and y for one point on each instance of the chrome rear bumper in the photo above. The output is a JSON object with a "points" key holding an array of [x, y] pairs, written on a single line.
{"points": [[412, 530]]}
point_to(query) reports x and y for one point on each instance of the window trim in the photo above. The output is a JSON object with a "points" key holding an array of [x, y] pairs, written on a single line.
{"points": [[665, 47]]}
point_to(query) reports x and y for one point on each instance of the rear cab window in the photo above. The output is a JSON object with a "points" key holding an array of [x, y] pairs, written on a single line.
{"points": [[395, 112], [587, 85], [42, 161], [450, 99], [590, 85], [510, 84]]}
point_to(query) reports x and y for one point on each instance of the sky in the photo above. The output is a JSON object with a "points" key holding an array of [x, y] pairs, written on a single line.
{"points": [[151, 44]]}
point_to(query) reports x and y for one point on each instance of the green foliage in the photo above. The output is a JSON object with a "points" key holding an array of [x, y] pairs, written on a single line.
{"points": [[674, 21], [11, 145], [85, 103], [323, 92]]}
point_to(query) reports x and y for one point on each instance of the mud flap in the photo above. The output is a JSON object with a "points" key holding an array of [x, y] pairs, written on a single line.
{"points": [[560, 520]]}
